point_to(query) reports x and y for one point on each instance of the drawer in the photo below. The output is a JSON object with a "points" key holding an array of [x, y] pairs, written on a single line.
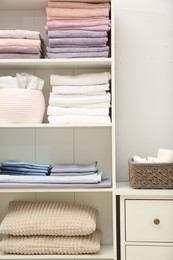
{"points": [[149, 220], [149, 252]]}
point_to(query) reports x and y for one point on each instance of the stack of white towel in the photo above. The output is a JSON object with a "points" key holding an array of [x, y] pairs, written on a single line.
{"points": [[83, 98], [20, 44]]}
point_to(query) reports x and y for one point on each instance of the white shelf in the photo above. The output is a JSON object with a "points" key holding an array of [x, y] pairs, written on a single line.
{"points": [[75, 190], [56, 63], [106, 252], [124, 189], [46, 125]]}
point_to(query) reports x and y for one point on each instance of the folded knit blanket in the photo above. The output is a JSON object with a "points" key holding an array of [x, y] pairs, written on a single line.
{"points": [[33, 245], [27, 218]]}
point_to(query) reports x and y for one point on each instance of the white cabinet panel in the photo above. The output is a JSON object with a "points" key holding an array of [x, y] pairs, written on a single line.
{"points": [[142, 217], [149, 253]]}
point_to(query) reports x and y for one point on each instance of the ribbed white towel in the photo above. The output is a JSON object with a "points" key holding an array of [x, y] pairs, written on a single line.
{"points": [[77, 119], [77, 100], [85, 89], [92, 178], [8, 82], [81, 79], [61, 111]]}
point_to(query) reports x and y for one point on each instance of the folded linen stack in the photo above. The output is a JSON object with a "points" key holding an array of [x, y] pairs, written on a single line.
{"points": [[40, 227], [19, 168], [77, 173], [77, 29], [83, 98], [20, 44]]}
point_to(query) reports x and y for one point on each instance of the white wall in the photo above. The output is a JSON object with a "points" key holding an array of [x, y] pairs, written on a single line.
{"points": [[144, 79]]}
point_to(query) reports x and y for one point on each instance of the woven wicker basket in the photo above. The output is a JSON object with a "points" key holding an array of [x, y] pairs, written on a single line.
{"points": [[150, 175]]}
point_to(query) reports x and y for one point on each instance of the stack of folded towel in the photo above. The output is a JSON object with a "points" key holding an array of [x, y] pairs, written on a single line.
{"points": [[83, 98], [77, 29], [33, 227], [18, 168], [20, 44]]}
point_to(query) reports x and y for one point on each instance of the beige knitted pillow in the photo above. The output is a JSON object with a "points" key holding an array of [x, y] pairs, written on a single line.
{"points": [[31, 245], [26, 218]]}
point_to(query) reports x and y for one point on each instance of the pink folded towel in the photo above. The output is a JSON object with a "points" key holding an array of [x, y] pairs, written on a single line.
{"points": [[78, 22], [85, 1], [88, 28], [20, 42], [80, 13], [19, 49], [19, 56], [78, 5]]}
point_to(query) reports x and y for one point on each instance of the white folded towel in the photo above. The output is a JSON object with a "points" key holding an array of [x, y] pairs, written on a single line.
{"points": [[63, 100], [85, 89], [81, 79], [22, 34], [61, 111], [8, 82], [77, 119]]}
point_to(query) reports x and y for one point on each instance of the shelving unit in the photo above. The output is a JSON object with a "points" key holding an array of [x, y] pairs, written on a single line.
{"points": [[51, 144]]}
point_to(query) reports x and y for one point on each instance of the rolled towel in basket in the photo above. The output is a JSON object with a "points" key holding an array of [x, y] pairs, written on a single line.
{"points": [[165, 155]]}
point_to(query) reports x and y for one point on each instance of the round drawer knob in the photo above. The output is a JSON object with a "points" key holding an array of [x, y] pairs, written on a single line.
{"points": [[156, 221]]}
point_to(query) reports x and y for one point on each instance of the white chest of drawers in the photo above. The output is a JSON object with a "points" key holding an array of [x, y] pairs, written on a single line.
{"points": [[146, 223]]}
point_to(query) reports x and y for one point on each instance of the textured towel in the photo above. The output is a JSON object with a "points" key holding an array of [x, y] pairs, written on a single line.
{"points": [[78, 5], [76, 22], [77, 49], [27, 218], [77, 119], [19, 56], [55, 42], [95, 1], [36, 245], [85, 89], [19, 49], [61, 111], [20, 42], [77, 13], [28, 81], [77, 100], [103, 54], [76, 34], [88, 28], [80, 79], [23, 34]]}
